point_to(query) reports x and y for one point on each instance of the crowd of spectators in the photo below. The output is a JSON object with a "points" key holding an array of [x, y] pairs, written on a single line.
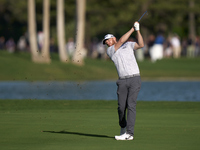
{"points": [[11, 46], [22, 44], [156, 47]]}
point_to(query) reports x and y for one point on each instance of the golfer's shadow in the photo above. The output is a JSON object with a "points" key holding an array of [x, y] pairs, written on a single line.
{"points": [[78, 133]]}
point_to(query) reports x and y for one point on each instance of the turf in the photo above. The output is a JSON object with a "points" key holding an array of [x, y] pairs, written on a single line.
{"points": [[18, 66], [91, 125]]}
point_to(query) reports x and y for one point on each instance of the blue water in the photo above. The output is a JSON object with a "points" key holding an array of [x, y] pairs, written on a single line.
{"points": [[99, 90]]}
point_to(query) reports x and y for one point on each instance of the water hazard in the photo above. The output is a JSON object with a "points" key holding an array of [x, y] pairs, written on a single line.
{"points": [[99, 90]]}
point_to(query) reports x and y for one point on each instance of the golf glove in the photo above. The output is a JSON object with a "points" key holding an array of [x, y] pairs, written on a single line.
{"points": [[137, 26]]}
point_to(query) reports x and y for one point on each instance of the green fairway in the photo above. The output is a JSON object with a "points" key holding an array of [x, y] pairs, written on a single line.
{"points": [[18, 66], [92, 125]]}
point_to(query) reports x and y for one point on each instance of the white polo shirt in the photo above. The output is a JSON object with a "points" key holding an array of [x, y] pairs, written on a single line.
{"points": [[124, 59]]}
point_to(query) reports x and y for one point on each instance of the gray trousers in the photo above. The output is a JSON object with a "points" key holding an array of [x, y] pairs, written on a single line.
{"points": [[127, 93]]}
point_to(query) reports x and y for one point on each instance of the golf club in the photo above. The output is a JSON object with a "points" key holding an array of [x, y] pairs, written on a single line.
{"points": [[142, 15]]}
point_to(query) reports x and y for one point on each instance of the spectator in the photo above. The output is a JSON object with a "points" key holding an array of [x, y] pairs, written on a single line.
{"points": [[40, 39], [2, 43], [156, 51], [190, 48], [197, 46], [10, 45], [168, 48], [176, 46], [93, 47], [184, 46], [70, 46], [100, 50], [52, 46], [21, 45], [150, 43]]}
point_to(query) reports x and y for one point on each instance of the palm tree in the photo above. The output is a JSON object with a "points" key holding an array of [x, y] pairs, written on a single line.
{"points": [[45, 49], [36, 56], [80, 50], [32, 30], [61, 31]]}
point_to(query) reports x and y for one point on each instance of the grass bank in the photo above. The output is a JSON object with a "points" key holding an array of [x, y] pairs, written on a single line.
{"points": [[92, 125], [18, 66]]}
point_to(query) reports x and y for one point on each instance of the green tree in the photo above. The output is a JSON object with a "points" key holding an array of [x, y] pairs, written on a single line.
{"points": [[116, 16], [106, 16]]}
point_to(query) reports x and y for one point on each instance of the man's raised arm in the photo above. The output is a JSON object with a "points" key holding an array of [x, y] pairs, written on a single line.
{"points": [[140, 42], [124, 38]]}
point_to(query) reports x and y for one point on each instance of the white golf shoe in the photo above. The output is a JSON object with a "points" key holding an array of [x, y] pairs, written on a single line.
{"points": [[124, 136], [122, 131]]}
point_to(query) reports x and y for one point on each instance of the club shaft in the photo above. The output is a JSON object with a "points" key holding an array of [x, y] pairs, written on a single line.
{"points": [[142, 15]]}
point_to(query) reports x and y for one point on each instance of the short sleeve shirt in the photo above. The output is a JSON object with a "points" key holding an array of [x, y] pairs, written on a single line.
{"points": [[124, 59]]}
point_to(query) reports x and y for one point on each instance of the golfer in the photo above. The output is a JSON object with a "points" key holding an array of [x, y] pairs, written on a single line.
{"points": [[122, 54]]}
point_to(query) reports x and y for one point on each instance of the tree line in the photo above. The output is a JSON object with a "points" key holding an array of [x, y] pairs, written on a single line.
{"points": [[101, 17]]}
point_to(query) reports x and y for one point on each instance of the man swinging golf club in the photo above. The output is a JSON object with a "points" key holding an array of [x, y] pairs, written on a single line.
{"points": [[122, 54]]}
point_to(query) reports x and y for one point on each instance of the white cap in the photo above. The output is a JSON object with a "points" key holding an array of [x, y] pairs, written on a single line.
{"points": [[107, 36]]}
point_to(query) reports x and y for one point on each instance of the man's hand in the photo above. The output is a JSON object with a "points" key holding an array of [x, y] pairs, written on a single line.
{"points": [[137, 26]]}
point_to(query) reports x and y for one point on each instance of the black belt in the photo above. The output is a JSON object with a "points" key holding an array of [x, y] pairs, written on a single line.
{"points": [[129, 76]]}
